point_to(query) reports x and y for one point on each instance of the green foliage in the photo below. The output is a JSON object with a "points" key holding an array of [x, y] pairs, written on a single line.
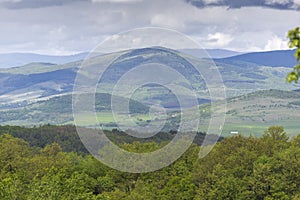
{"points": [[294, 42], [276, 133], [237, 168], [67, 138], [9, 188], [178, 188], [250, 168], [59, 184]]}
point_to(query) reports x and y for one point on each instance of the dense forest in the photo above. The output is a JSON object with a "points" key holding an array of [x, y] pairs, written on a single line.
{"points": [[66, 136], [35, 165]]}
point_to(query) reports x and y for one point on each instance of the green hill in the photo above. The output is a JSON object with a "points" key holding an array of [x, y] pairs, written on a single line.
{"points": [[252, 113], [247, 114], [37, 81], [58, 110]]}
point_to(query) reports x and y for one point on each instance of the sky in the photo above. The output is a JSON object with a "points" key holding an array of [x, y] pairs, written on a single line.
{"points": [[61, 27]]}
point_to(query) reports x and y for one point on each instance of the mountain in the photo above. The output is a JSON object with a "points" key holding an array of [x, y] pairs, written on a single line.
{"points": [[252, 113], [40, 93], [248, 114], [40, 81], [28, 84], [18, 59], [283, 58], [58, 110], [212, 53], [9, 60]]}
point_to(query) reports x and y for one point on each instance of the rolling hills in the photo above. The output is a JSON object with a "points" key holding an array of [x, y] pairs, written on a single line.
{"points": [[248, 114], [9, 60], [252, 113], [58, 110], [213, 53], [40, 93], [282, 58], [42, 81]]}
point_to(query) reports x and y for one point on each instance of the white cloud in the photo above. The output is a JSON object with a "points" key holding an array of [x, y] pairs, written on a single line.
{"points": [[116, 1], [146, 37], [296, 4], [219, 39], [166, 21], [207, 2], [276, 43]]}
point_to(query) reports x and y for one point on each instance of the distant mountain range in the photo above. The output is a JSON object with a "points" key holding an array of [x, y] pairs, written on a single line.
{"points": [[240, 73], [212, 53], [10, 60], [40, 92], [18, 59], [284, 58]]}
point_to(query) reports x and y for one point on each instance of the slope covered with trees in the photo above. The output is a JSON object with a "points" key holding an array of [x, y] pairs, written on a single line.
{"points": [[237, 168]]}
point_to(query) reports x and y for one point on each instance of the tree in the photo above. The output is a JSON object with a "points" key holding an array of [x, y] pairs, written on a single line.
{"points": [[179, 188], [276, 133], [9, 188], [274, 139], [59, 184], [12, 153], [294, 42]]}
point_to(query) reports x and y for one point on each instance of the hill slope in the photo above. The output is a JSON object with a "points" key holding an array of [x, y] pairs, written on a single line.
{"points": [[247, 114], [253, 113], [43, 96], [18, 59], [58, 110], [284, 58], [43, 81], [213, 53]]}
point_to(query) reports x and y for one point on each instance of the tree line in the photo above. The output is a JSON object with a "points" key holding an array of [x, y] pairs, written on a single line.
{"points": [[238, 167]]}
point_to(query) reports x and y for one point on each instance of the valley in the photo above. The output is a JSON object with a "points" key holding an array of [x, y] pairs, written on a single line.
{"points": [[257, 95]]}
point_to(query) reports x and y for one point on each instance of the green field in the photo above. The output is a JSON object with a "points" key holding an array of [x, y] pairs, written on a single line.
{"points": [[291, 127], [249, 114]]}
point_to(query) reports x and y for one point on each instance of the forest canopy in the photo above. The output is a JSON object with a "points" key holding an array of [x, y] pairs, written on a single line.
{"points": [[237, 168]]}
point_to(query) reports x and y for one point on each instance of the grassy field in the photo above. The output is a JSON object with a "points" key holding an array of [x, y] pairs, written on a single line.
{"points": [[249, 114], [255, 129]]}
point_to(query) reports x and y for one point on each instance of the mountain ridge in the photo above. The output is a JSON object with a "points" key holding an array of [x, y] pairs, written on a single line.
{"points": [[41, 80], [278, 58], [8, 60]]}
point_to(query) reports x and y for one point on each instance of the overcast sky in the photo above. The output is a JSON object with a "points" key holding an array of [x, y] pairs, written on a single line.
{"points": [[72, 26]]}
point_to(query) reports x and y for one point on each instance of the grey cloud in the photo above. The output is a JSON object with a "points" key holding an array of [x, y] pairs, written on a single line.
{"points": [[275, 4], [82, 25], [23, 4]]}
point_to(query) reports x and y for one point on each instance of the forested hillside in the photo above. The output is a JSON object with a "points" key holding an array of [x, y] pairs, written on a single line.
{"points": [[66, 136], [237, 168]]}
